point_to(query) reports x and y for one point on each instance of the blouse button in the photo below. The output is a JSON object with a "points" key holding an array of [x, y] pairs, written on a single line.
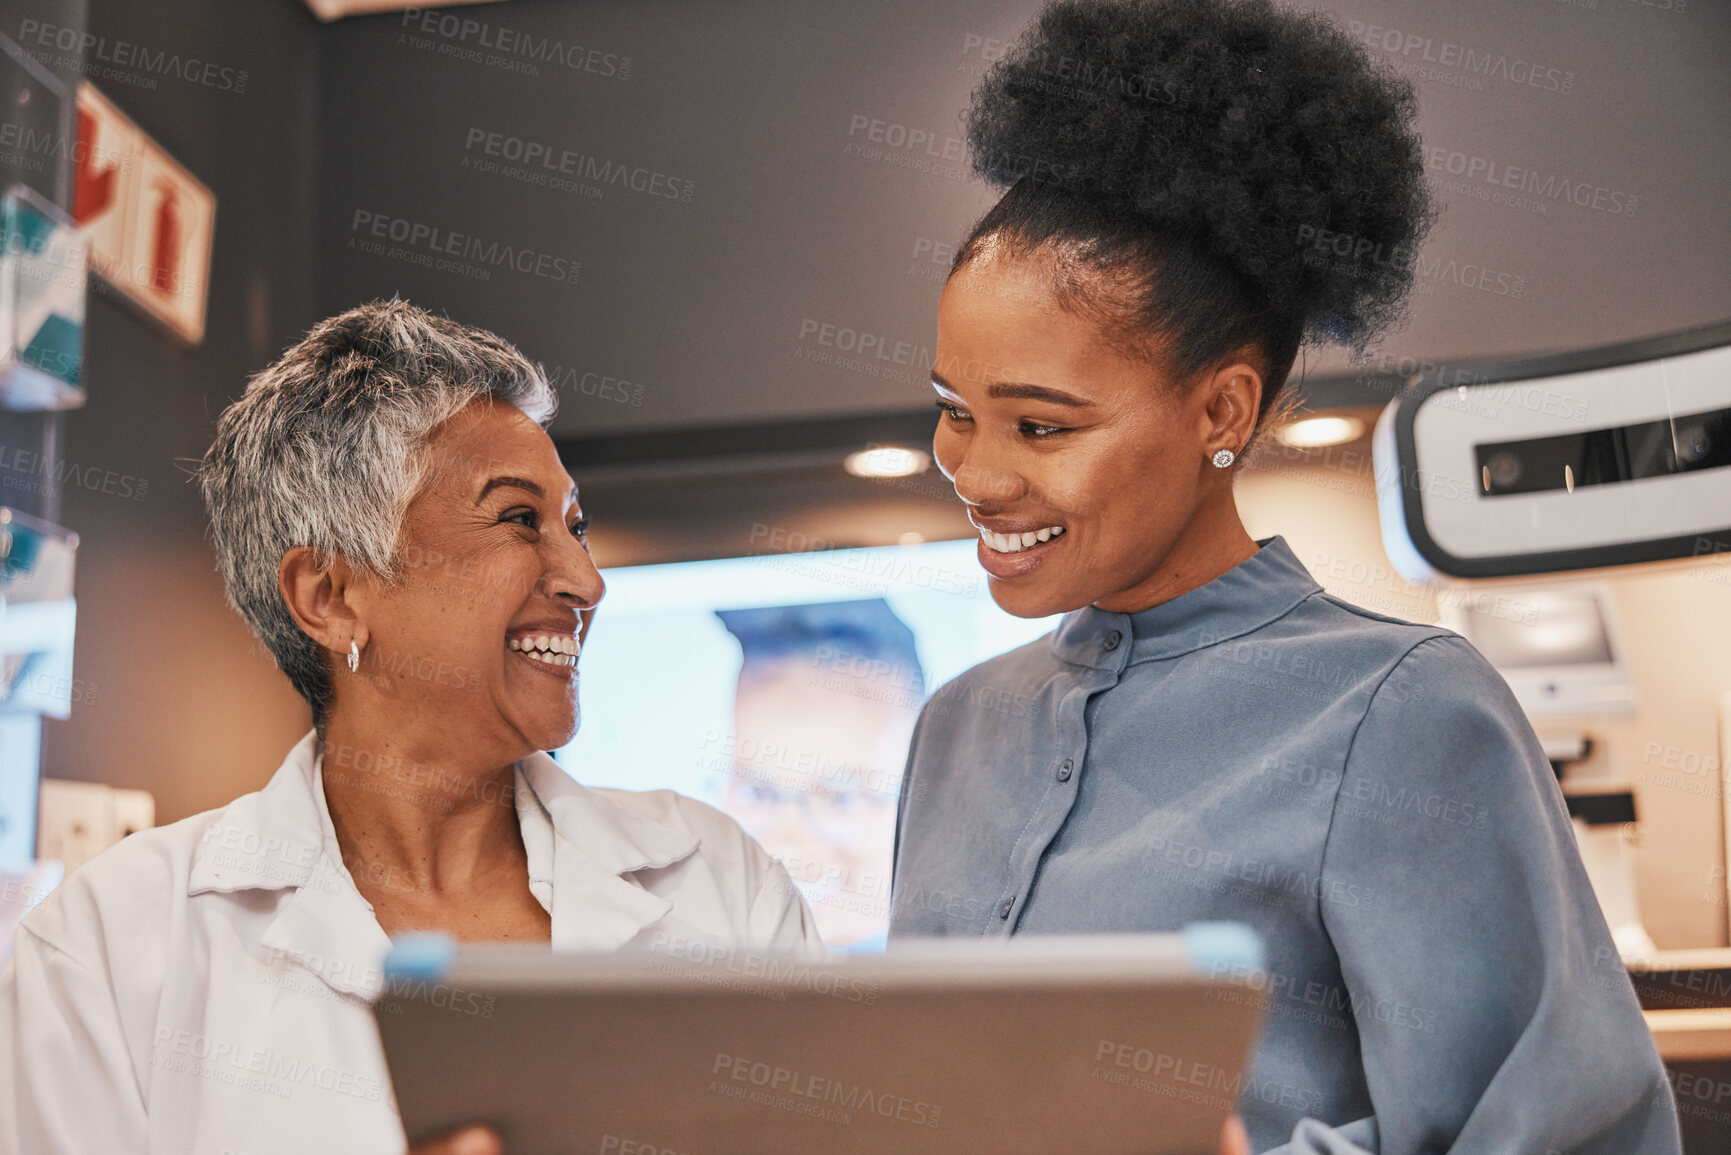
{"points": [[1005, 907], [1111, 642], [1064, 770]]}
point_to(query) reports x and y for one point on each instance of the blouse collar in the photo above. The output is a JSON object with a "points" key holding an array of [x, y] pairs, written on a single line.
{"points": [[1258, 590]]}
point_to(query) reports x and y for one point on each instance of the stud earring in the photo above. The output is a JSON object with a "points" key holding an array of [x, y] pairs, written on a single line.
{"points": [[354, 656], [1223, 458]]}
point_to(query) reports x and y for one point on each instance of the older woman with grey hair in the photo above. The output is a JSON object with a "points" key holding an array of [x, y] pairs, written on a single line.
{"points": [[392, 520]]}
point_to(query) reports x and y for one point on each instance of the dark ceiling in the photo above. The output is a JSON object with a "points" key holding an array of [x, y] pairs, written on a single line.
{"points": [[721, 225]]}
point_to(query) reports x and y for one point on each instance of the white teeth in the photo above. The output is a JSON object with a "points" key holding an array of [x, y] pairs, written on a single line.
{"points": [[1017, 542], [555, 649]]}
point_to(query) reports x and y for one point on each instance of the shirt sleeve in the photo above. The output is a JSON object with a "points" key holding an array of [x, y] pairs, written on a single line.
{"points": [[67, 1085], [781, 920], [1493, 1011]]}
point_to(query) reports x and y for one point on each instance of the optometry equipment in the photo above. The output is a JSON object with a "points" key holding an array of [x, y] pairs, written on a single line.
{"points": [[1607, 456]]}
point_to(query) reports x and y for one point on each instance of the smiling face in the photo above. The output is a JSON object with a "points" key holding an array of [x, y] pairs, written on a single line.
{"points": [[1086, 470], [475, 648]]}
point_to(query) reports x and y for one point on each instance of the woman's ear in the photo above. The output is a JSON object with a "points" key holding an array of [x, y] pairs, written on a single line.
{"points": [[1232, 398], [319, 598]]}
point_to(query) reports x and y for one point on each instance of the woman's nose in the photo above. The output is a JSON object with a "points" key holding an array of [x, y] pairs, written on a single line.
{"points": [[981, 480], [571, 573]]}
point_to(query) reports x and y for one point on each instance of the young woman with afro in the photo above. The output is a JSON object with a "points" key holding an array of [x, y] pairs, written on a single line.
{"points": [[1195, 190]]}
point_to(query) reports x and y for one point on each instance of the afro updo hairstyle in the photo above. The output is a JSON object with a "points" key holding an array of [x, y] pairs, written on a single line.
{"points": [[1195, 168]]}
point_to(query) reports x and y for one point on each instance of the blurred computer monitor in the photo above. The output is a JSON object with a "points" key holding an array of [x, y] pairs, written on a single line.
{"points": [[1558, 647]]}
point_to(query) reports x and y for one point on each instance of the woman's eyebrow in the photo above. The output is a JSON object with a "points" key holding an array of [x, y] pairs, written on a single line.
{"points": [[511, 483], [525, 484], [1017, 390], [1012, 389]]}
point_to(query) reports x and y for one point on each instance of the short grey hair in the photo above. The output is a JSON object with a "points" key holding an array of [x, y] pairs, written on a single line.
{"points": [[325, 449]]}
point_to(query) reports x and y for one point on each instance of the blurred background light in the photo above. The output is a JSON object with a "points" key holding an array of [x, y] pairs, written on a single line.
{"points": [[887, 461], [1317, 432]]}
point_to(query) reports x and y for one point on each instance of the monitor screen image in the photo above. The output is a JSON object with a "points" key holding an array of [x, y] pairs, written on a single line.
{"points": [[1557, 647], [1561, 627], [783, 690]]}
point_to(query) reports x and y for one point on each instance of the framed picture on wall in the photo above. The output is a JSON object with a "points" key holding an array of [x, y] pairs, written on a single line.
{"points": [[148, 219]]}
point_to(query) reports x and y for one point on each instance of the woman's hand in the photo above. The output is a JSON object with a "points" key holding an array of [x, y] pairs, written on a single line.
{"points": [[484, 1141], [1234, 1139]]}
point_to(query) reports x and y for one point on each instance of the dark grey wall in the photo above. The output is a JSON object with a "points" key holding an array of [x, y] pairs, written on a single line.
{"points": [[699, 303], [699, 307], [172, 694]]}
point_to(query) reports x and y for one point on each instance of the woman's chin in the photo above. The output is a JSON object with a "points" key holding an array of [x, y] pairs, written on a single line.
{"points": [[1021, 600], [551, 733], [545, 725]]}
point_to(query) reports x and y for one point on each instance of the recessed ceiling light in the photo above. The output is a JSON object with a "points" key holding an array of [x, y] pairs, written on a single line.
{"points": [[886, 461], [1316, 432]]}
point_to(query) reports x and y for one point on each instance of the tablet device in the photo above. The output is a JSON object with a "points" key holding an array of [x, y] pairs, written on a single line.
{"points": [[1097, 1045]]}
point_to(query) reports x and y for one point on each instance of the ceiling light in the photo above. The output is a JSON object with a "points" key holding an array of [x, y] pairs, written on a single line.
{"points": [[886, 461], [1316, 432]]}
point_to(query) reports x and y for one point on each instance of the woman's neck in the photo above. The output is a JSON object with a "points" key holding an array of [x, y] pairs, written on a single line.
{"points": [[1213, 543], [417, 817]]}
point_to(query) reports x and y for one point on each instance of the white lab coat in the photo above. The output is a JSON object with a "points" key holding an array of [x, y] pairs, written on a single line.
{"points": [[204, 987]]}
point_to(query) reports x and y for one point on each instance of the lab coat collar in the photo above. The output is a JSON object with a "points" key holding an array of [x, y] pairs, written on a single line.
{"points": [[618, 840], [283, 837], [266, 840], [581, 847]]}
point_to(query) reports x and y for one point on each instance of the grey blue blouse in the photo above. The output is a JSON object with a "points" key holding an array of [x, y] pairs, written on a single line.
{"points": [[1366, 793]]}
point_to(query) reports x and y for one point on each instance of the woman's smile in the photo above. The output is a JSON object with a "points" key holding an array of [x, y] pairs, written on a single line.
{"points": [[1010, 549], [551, 650]]}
